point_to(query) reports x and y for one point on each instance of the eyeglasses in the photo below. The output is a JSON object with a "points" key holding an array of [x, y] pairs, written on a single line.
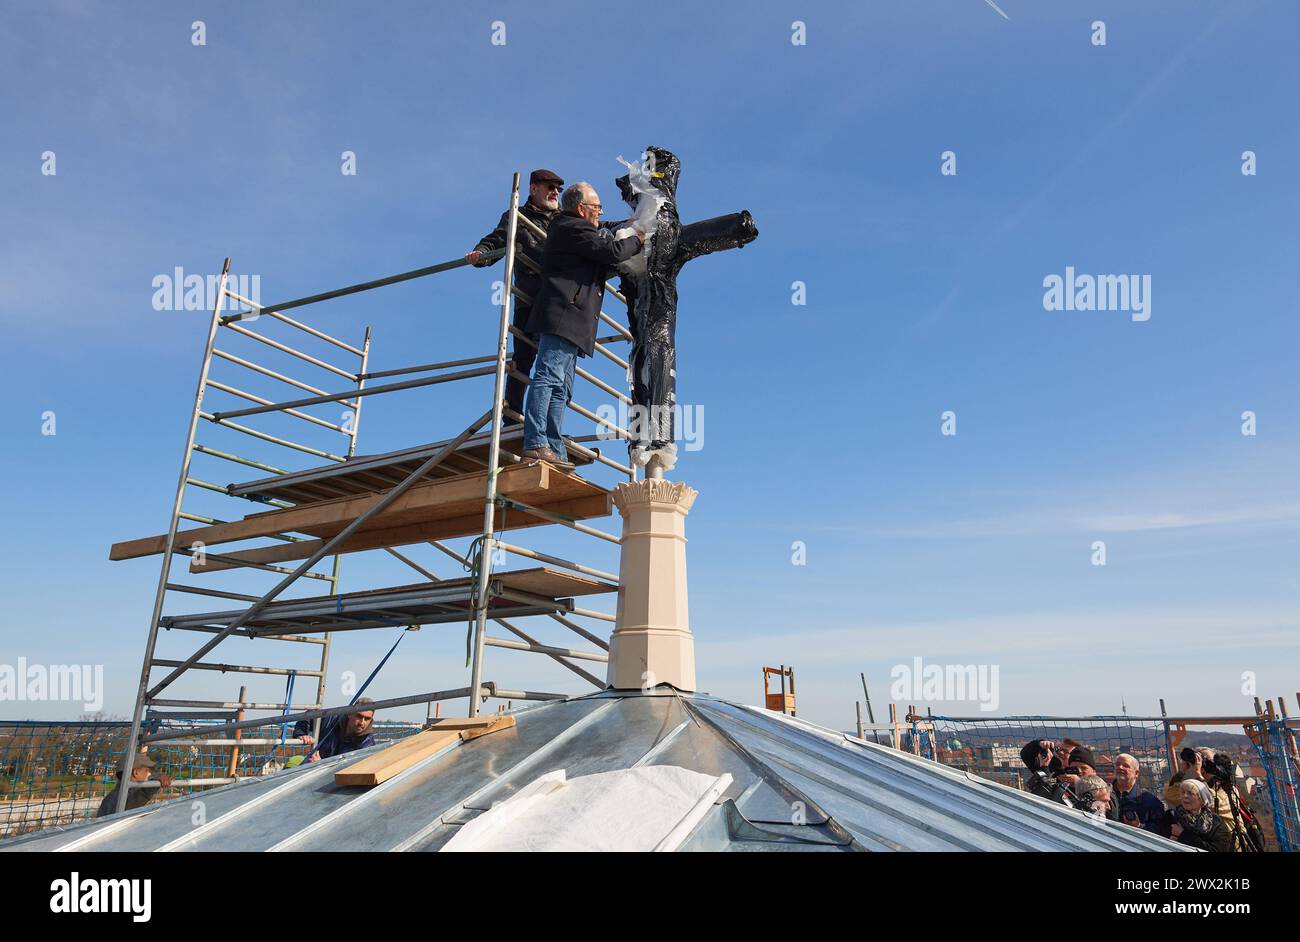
{"points": [[554, 186], [596, 206]]}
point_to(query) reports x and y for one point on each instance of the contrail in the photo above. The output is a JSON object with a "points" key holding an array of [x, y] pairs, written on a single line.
{"points": [[998, 8]]}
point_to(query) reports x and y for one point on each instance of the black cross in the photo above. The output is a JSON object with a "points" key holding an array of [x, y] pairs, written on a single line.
{"points": [[652, 306]]}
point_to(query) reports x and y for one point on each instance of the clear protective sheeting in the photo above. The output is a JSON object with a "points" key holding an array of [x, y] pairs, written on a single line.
{"points": [[645, 211]]}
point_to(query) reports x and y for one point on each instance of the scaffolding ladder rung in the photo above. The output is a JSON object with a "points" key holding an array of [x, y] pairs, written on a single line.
{"points": [[258, 368], [230, 704], [285, 348], [214, 593], [246, 462], [301, 326], [200, 518], [252, 397], [244, 633], [306, 449], [237, 668], [209, 486]]}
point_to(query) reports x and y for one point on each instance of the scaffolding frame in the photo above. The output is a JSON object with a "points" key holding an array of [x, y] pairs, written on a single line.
{"points": [[487, 597]]}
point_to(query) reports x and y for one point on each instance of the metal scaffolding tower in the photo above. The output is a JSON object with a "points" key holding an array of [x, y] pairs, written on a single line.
{"points": [[422, 494]]}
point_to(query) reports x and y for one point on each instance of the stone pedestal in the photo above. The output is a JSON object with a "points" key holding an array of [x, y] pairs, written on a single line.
{"points": [[652, 642]]}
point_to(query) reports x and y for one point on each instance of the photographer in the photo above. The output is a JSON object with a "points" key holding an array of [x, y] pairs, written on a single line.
{"points": [[1189, 767], [1219, 771], [1045, 765]]}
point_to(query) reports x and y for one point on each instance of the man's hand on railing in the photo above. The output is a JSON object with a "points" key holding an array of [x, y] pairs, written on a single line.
{"points": [[474, 257]]}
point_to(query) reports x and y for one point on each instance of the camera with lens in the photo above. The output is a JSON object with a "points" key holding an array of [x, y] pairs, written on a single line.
{"points": [[1220, 768]]}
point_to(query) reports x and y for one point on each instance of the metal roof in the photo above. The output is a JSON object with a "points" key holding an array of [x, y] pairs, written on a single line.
{"points": [[795, 786]]}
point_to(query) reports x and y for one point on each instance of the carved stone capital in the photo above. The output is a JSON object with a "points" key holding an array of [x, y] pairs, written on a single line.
{"points": [[654, 491]]}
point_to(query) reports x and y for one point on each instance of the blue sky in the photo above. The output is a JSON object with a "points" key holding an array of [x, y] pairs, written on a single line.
{"points": [[822, 421]]}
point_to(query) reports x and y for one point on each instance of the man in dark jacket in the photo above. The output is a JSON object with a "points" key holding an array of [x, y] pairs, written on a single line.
{"points": [[1136, 805], [543, 203], [576, 260], [341, 733], [141, 771]]}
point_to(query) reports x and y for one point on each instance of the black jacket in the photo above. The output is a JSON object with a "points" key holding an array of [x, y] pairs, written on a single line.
{"points": [[136, 798], [1205, 830], [576, 260], [1043, 781], [528, 243]]}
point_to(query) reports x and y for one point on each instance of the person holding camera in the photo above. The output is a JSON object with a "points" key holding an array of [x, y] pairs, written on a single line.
{"points": [[1136, 806], [1045, 762], [1219, 773]]}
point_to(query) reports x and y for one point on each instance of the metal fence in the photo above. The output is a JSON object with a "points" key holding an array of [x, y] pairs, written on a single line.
{"points": [[58, 773]]}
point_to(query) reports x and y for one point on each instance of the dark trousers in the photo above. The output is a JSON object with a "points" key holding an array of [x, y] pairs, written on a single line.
{"points": [[523, 355]]}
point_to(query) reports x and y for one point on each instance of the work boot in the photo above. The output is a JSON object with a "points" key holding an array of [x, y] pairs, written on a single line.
{"points": [[550, 457]]}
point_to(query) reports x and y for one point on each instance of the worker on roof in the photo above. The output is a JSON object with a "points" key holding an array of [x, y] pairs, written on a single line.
{"points": [[141, 771], [543, 203], [341, 733]]}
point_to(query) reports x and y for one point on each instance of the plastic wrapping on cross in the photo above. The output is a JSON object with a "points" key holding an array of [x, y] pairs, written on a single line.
{"points": [[651, 292]]}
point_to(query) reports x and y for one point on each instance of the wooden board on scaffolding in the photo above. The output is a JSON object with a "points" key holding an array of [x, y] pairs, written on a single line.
{"points": [[369, 473], [434, 510]]}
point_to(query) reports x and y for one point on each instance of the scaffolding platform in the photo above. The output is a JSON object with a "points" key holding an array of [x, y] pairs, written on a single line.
{"points": [[435, 510], [370, 473], [519, 593]]}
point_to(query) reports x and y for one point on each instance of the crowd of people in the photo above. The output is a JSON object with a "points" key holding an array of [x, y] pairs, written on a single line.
{"points": [[1201, 807]]}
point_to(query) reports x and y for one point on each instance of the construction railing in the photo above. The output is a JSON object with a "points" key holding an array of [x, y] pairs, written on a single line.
{"points": [[58, 773]]}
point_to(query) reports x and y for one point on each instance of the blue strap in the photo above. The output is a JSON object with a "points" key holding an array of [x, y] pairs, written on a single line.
{"points": [[330, 726], [288, 699], [379, 666]]}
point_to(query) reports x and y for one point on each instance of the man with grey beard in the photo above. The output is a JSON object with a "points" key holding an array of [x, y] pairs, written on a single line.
{"points": [[544, 188]]}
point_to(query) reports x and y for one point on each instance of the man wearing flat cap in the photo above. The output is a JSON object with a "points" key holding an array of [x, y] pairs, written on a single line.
{"points": [[138, 797], [544, 188]]}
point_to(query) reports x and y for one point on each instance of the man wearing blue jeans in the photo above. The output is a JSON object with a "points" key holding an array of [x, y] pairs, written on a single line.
{"points": [[576, 260]]}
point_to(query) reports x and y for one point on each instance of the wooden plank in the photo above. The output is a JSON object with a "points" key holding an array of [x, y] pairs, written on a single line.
{"points": [[553, 583], [400, 756], [500, 722], [461, 722], [429, 496], [585, 508]]}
